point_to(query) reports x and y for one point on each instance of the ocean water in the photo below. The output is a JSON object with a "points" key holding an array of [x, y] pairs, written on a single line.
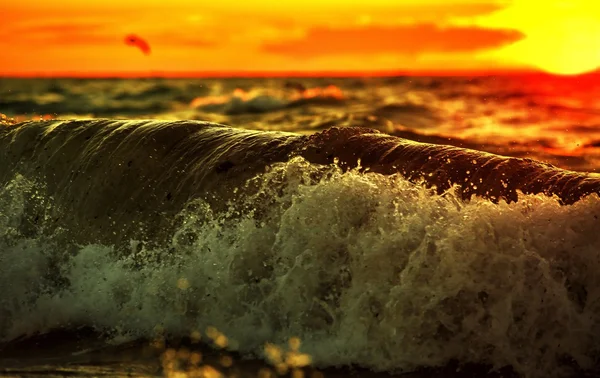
{"points": [[549, 118], [424, 226]]}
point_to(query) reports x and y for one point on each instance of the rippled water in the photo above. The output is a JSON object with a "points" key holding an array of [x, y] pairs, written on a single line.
{"points": [[554, 119]]}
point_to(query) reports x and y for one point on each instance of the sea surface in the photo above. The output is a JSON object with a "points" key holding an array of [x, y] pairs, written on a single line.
{"points": [[414, 226]]}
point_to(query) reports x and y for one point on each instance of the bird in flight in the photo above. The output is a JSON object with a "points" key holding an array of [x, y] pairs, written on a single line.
{"points": [[134, 40]]}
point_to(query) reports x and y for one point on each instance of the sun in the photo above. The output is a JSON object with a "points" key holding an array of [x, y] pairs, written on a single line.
{"points": [[561, 37], [563, 51]]}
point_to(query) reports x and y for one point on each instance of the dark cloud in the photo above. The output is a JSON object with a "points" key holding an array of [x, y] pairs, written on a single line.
{"points": [[405, 39]]}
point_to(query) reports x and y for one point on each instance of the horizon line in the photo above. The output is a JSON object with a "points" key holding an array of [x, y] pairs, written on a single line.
{"points": [[278, 74], [241, 74]]}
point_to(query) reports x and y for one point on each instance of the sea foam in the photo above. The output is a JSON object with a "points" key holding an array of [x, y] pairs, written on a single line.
{"points": [[366, 269]]}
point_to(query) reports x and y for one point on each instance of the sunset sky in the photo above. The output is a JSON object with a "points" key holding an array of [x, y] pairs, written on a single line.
{"points": [[65, 37]]}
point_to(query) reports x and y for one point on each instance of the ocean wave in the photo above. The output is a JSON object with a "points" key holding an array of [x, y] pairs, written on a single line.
{"points": [[118, 170], [257, 101], [150, 91], [417, 116], [106, 97], [495, 112], [374, 250]]}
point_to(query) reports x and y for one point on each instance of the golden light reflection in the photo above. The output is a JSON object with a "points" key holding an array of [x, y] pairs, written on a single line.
{"points": [[183, 362]]}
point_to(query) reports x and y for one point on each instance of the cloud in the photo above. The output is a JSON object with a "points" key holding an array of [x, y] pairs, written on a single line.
{"points": [[405, 39], [62, 28], [98, 34], [83, 33]]}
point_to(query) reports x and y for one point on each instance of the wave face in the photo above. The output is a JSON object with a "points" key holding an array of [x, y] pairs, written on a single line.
{"points": [[347, 239]]}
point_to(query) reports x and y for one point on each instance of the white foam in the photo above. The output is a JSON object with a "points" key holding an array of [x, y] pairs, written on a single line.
{"points": [[366, 269]]}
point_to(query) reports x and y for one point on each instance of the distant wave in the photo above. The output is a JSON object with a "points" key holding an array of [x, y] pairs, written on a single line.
{"points": [[240, 101], [416, 115], [96, 97]]}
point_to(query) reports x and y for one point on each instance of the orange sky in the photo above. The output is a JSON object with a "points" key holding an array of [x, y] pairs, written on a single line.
{"points": [[66, 37]]}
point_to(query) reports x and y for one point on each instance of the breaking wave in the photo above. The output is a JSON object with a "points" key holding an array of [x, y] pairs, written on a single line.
{"points": [[374, 250]]}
